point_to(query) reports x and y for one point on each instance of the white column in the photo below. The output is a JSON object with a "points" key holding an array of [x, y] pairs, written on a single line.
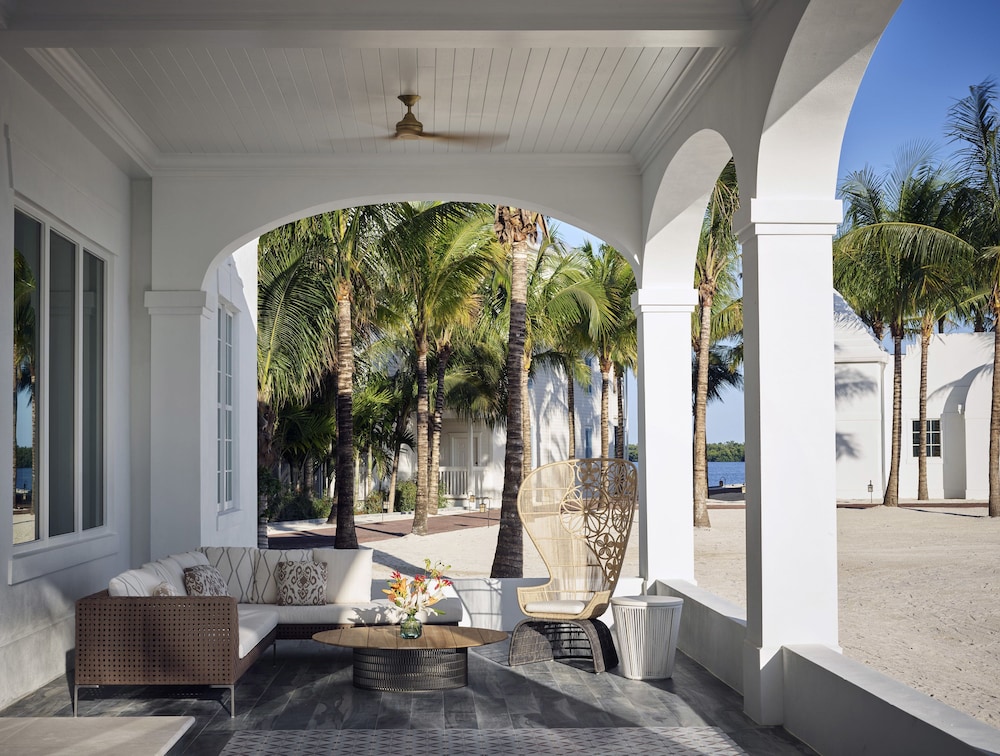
{"points": [[666, 529], [182, 452], [791, 523]]}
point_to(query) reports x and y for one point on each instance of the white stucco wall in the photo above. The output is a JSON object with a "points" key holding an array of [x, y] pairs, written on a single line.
{"points": [[50, 169]]}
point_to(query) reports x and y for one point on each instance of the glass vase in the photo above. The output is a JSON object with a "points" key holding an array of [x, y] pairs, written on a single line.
{"points": [[410, 627]]}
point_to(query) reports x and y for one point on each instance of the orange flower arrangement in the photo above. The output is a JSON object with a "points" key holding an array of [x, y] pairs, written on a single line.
{"points": [[411, 595]]}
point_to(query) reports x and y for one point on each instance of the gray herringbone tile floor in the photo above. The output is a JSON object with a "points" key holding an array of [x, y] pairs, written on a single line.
{"points": [[308, 687]]}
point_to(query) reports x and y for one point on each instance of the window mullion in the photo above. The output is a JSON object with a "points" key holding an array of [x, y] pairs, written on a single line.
{"points": [[42, 382], [78, 305]]}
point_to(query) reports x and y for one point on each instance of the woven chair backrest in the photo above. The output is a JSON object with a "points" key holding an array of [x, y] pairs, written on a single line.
{"points": [[579, 513]]}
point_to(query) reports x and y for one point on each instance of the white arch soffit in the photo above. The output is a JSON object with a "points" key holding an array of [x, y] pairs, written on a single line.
{"points": [[199, 220], [813, 94], [678, 209]]}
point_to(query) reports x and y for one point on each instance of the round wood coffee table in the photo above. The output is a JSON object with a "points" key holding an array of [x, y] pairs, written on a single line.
{"points": [[437, 660]]}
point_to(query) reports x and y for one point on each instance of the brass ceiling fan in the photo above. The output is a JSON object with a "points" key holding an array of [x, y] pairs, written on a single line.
{"points": [[409, 127]]}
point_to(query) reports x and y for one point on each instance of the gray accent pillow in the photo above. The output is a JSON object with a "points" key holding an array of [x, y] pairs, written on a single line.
{"points": [[204, 580], [301, 583]]}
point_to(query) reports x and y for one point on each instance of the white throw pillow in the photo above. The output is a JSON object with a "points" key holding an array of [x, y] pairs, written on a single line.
{"points": [[133, 583], [165, 589]]}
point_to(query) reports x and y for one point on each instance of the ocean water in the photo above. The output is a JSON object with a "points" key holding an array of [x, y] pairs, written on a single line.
{"points": [[22, 479], [729, 473]]}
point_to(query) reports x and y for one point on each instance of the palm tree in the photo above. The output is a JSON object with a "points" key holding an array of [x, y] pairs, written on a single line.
{"points": [[436, 260], [895, 260], [615, 342], [516, 230], [26, 355], [975, 123], [715, 274], [331, 253]]}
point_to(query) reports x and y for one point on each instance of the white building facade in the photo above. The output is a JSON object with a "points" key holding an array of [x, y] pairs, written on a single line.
{"points": [[959, 396]]}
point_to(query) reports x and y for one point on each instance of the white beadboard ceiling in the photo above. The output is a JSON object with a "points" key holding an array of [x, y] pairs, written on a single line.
{"points": [[307, 78]]}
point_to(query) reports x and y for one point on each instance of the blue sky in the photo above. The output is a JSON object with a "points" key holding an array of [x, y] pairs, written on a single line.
{"points": [[929, 56]]}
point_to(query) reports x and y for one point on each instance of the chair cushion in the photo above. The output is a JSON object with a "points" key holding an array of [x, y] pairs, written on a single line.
{"points": [[204, 580], [236, 565], [265, 585], [301, 583], [348, 576], [134, 583], [570, 608], [255, 623]]}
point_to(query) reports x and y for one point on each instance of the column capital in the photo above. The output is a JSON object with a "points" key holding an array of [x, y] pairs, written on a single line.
{"points": [[179, 303], [789, 216], [665, 299]]}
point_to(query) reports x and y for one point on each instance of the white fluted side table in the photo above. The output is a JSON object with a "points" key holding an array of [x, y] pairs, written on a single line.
{"points": [[647, 628]]}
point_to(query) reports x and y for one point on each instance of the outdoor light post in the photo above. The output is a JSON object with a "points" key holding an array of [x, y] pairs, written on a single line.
{"points": [[871, 488]]}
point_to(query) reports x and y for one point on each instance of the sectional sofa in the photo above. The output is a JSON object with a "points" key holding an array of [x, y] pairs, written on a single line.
{"points": [[148, 629]]}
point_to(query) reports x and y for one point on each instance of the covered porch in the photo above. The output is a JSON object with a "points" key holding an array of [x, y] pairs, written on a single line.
{"points": [[301, 702], [161, 138]]}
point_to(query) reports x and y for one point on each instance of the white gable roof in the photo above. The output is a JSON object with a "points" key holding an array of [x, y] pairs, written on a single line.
{"points": [[852, 341]]}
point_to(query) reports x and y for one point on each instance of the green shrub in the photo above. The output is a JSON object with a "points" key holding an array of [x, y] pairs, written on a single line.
{"points": [[373, 502], [288, 506], [406, 496]]}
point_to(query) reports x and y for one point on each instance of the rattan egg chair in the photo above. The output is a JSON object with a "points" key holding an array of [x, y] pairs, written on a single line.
{"points": [[578, 513]]}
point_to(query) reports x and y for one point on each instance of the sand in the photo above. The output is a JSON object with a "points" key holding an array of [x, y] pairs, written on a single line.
{"points": [[919, 590]]}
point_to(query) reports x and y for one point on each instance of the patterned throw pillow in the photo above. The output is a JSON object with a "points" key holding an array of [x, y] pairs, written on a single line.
{"points": [[204, 580], [301, 583], [164, 589]]}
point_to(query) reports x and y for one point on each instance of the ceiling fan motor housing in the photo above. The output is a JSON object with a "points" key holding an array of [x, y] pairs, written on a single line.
{"points": [[409, 127]]}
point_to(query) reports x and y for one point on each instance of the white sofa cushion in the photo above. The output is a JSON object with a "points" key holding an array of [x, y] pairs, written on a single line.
{"points": [[171, 568], [265, 584], [236, 565], [256, 622], [364, 613], [348, 574], [139, 582]]}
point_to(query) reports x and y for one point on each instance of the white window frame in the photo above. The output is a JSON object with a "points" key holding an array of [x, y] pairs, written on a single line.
{"points": [[225, 409], [47, 554]]}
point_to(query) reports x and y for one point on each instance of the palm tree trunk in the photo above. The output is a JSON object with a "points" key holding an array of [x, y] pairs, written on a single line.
{"points": [[571, 412], [994, 500], [393, 476], [620, 428], [434, 476], [700, 452], [423, 455], [605, 405], [509, 558], [891, 498], [526, 460], [926, 331], [346, 536]]}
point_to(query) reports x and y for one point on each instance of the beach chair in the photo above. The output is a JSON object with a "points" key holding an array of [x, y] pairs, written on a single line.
{"points": [[578, 513]]}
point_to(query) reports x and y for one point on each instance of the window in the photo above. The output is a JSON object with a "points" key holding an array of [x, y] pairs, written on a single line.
{"points": [[224, 410], [933, 438], [59, 364], [588, 442]]}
